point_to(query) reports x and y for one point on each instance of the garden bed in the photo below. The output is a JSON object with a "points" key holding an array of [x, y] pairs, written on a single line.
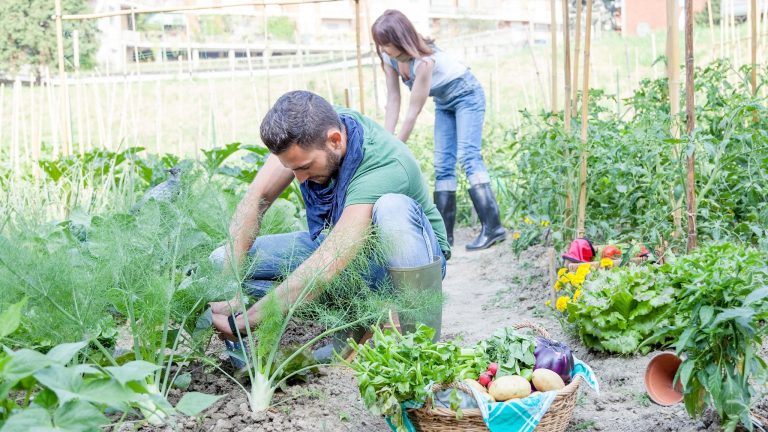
{"points": [[485, 292]]}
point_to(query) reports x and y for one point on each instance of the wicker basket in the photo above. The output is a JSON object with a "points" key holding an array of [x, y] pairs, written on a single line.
{"points": [[431, 419]]}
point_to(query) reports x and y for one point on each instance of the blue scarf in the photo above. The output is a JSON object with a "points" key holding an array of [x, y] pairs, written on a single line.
{"points": [[325, 203]]}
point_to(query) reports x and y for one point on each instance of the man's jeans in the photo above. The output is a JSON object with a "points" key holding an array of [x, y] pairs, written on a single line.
{"points": [[400, 221], [459, 116]]}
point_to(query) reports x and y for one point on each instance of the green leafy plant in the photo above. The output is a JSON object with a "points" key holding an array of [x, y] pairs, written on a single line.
{"points": [[345, 302], [54, 391], [722, 293], [620, 308], [395, 367]]}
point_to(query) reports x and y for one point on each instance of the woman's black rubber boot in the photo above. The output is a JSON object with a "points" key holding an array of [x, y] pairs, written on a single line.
{"points": [[446, 205], [488, 212]]}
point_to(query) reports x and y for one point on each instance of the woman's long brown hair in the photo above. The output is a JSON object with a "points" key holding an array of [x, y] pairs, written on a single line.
{"points": [[394, 28]]}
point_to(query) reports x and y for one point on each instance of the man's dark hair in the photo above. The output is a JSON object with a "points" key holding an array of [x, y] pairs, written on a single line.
{"points": [[298, 117]]}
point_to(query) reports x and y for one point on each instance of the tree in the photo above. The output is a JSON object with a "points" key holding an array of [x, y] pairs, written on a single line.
{"points": [[28, 35]]}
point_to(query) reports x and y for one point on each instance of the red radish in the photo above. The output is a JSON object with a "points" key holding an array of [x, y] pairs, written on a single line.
{"points": [[493, 368], [485, 379]]}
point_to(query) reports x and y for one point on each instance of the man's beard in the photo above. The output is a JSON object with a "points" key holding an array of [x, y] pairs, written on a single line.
{"points": [[334, 162]]}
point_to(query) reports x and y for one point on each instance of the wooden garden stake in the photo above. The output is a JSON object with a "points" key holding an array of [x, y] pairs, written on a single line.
{"points": [[52, 114], [374, 66], [553, 43], [711, 26], [15, 128], [584, 120], [2, 113], [567, 104], [264, 55], [63, 88], [361, 91], [577, 42], [673, 81], [755, 14], [691, 119]]}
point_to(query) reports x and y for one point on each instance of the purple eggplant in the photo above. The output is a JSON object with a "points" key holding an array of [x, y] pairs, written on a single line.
{"points": [[555, 356]]}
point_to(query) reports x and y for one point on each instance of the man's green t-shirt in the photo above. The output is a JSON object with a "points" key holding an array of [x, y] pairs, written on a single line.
{"points": [[388, 166]]}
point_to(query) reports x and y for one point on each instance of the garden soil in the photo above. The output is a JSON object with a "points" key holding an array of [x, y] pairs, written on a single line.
{"points": [[486, 290]]}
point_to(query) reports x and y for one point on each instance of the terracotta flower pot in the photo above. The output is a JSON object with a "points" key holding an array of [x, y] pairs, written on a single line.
{"points": [[659, 377]]}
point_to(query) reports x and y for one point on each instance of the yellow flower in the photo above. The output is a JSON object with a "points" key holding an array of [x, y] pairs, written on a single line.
{"points": [[576, 295], [548, 303], [584, 269], [562, 303], [516, 235], [558, 285], [528, 221], [545, 223], [561, 272], [606, 263]]}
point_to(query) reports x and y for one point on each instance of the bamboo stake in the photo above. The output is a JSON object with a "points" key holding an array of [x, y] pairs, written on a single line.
{"points": [[37, 143], [673, 65], [577, 42], [654, 55], [78, 92], [63, 88], [734, 37], [373, 58], [30, 142], [346, 97], [361, 89], [712, 27], [264, 56], [15, 125], [553, 68], [584, 120], [691, 119], [567, 104], [2, 115], [158, 117], [723, 39], [52, 112], [673, 82], [88, 131], [755, 14]]}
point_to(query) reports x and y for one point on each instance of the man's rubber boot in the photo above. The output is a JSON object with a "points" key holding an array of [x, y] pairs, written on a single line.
{"points": [[425, 288], [488, 212], [446, 205]]}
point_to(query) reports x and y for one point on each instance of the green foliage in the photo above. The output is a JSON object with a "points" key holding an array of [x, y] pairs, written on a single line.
{"points": [[722, 293], [620, 308], [507, 347], [73, 398], [27, 30], [636, 169], [397, 367]]}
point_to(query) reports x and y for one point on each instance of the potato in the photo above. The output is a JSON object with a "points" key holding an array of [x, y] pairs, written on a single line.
{"points": [[509, 387], [476, 385], [546, 380]]}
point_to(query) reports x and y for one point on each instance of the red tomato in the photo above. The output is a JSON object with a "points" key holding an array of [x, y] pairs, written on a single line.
{"points": [[611, 252]]}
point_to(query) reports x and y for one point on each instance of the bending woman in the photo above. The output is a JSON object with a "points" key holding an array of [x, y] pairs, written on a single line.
{"points": [[459, 114]]}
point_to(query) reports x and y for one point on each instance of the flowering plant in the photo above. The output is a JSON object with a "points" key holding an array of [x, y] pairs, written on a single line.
{"points": [[527, 234]]}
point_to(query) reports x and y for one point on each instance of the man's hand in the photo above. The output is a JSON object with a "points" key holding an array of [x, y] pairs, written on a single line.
{"points": [[221, 323], [226, 307]]}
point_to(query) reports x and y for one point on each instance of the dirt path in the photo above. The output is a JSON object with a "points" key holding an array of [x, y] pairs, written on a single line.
{"points": [[486, 290]]}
